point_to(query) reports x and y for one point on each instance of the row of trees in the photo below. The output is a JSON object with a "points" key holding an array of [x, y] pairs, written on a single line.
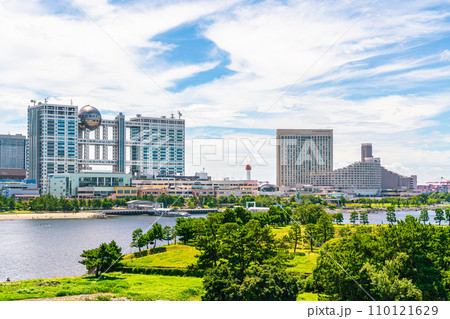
{"points": [[155, 233], [440, 215], [417, 200], [406, 261], [50, 203]]}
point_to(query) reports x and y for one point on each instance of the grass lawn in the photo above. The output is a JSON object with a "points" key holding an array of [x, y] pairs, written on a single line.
{"points": [[132, 286], [308, 296], [280, 232], [18, 212], [303, 264], [174, 256]]}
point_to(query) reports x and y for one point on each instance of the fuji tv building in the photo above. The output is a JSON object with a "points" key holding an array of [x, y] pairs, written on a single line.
{"points": [[65, 139]]}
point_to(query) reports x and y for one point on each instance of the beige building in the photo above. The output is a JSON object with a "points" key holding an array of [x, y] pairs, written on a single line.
{"points": [[199, 187], [362, 178], [365, 178], [300, 153]]}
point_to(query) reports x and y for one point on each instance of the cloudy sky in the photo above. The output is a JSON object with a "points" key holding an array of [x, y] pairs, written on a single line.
{"points": [[373, 71]]}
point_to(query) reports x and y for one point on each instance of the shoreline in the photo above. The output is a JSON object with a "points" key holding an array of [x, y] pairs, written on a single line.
{"points": [[375, 210], [46, 216]]}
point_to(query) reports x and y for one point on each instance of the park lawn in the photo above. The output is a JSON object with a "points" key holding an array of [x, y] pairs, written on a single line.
{"points": [[171, 256], [281, 231], [307, 296], [303, 262], [132, 286], [18, 212]]}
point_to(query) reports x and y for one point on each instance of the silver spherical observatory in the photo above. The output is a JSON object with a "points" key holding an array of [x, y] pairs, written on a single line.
{"points": [[90, 118]]}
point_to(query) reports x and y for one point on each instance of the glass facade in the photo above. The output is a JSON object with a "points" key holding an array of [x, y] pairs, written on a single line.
{"points": [[13, 151]]}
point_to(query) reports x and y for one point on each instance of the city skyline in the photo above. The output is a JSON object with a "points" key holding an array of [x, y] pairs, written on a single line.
{"points": [[371, 73]]}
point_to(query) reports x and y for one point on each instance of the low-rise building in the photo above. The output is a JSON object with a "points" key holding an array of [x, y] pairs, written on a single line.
{"points": [[87, 184], [125, 191], [13, 173], [19, 188], [200, 185]]}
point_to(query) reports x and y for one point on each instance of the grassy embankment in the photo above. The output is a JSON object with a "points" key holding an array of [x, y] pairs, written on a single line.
{"points": [[140, 286], [131, 286]]}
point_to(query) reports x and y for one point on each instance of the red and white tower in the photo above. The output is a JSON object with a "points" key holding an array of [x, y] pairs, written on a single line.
{"points": [[248, 168]]}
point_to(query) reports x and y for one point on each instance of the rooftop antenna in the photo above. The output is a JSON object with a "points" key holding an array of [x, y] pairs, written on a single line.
{"points": [[179, 115], [171, 115], [46, 100], [71, 102], [33, 101]]}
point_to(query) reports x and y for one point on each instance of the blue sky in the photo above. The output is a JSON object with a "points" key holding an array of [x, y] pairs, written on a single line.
{"points": [[238, 70]]}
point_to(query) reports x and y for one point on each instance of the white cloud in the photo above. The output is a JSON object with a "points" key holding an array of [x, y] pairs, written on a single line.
{"points": [[445, 55]]}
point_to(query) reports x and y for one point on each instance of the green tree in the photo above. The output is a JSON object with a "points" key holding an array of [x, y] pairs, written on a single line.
{"points": [[185, 229], [364, 218], [148, 238], [295, 234], [208, 242], [11, 203], [344, 231], [353, 217], [263, 218], [238, 258], [75, 205], [447, 215], [339, 218], [107, 203], [260, 283], [242, 215], [439, 215], [102, 258], [308, 214], [65, 204], [387, 283], [424, 216], [158, 233], [310, 235], [390, 215], [137, 240], [168, 234], [426, 266], [325, 229]]}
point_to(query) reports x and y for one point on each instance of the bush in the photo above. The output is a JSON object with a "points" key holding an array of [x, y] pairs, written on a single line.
{"points": [[261, 283]]}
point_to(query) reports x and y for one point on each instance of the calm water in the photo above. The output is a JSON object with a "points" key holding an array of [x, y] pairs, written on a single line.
{"points": [[51, 248], [380, 218]]}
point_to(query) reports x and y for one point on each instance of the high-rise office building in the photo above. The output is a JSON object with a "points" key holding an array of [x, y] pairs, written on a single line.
{"points": [[52, 141], [366, 151], [301, 152], [13, 151], [63, 140]]}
